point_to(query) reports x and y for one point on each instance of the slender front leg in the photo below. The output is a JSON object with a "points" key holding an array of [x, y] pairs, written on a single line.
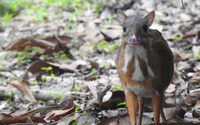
{"points": [[163, 115], [132, 104], [141, 105], [157, 103]]}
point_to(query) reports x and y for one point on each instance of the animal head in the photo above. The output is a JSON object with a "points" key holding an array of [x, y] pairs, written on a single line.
{"points": [[135, 28]]}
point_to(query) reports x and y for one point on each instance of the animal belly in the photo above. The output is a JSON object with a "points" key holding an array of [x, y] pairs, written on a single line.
{"points": [[140, 91]]}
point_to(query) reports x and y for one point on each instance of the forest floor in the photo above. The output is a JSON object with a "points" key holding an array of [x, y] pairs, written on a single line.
{"points": [[57, 63]]}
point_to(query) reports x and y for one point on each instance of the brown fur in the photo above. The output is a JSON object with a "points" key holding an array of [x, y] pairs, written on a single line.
{"points": [[159, 59]]}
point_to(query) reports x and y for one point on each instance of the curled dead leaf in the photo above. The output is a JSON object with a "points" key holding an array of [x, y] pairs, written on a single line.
{"points": [[49, 44], [24, 88]]}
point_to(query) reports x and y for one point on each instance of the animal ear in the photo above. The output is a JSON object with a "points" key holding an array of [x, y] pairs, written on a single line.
{"points": [[150, 18], [121, 17]]}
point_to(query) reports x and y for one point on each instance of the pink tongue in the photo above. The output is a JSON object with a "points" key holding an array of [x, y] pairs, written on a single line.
{"points": [[133, 40]]}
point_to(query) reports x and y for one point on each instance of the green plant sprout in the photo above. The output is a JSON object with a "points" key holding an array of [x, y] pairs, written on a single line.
{"points": [[10, 8], [77, 108], [9, 94], [35, 82], [47, 69], [76, 89], [60, 56], [39, 50], [43, 79], [94, 76], [179, 37], [103, 46], [6, 19], [75, 122], [197, 56], [1, 67], [23, 58], [118, 87], [98, 8], [41, 102], [121, 104], [94, 69], [27, 55], [106, 65], [39, 10], [59, 96]]}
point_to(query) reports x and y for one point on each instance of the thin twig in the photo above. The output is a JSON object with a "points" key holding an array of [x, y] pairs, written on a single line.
{"points": [[183, 4]]}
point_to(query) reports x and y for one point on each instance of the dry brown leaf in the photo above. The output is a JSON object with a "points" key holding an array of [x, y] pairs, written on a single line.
{"points": [[24, 88], [196, 111], [124, 120], [170, 112], [58, 114], [12, 120], [87, 119], [189, 117], [112, 121], [22, 44], [188, 101], [171, 88], [35, 69], [49, 44]]}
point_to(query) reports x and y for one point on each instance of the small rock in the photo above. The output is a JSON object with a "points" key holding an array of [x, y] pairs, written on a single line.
{"points": [[105, 14], [183, 66], [111, 33], [196, 51], [185, 17]]}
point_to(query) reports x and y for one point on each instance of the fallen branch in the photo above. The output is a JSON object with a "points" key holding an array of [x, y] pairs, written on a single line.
{"points": [[41, 94]]}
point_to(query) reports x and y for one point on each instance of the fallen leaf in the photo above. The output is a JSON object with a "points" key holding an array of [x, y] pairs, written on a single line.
{"points": [[196, 111], [170, 112], [87, 119], [36, 71], [171, 88], [24, 88], [12, 120], [183, 66], [111, 34], [124, 120], [65, 108], [49, 44]]}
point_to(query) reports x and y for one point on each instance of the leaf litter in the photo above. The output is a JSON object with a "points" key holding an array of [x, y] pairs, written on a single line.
{"points": [[69, 76]]}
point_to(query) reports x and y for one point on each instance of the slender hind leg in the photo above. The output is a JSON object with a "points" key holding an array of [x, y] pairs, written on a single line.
{"points": [[141, 105], [157, 102], [132, 104]]}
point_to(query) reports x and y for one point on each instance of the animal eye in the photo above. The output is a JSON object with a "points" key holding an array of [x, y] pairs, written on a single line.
{"points": [[124, 28], [145, 28]]}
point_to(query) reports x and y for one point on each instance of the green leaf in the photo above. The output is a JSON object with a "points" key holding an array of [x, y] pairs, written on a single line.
{"points": [[198, 56], [53, 75], [119, 87], [35, 82], [121, 104], [75, 122], [103, 46], [76, 89], [179, 37], [77, 108], [41, 102], [47, 69], [94, 69]]}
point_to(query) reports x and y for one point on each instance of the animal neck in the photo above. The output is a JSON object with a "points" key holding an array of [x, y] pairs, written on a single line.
{"points": [[139, 54]]}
